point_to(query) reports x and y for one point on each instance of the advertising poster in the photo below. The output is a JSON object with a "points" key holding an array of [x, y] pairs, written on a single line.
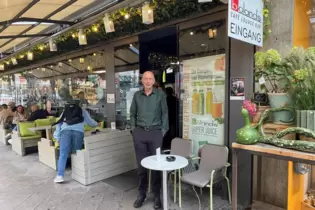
{"points": [[237, 86], [203, 100]]}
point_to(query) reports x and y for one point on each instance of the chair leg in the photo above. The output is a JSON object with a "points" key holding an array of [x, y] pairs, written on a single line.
{"points": [[229, 190], [149, 185], [211, 201], [175, 186], [180, 188]]}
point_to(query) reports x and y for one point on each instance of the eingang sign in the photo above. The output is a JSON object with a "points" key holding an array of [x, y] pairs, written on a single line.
{"points": [[246, 21]]}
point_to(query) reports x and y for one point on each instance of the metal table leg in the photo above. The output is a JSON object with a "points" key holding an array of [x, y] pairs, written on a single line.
{"points": [[234, 180], [165, 198]]}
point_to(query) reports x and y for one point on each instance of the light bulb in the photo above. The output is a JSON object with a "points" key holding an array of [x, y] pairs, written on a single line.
{"points": [[127, 16]]}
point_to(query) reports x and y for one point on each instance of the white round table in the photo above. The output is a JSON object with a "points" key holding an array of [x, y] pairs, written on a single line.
{"points": [[152, 163]]}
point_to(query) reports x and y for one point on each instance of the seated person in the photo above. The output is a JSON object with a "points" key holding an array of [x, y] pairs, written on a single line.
{"points": [[19, 115], [7, 113], [37, 113]]}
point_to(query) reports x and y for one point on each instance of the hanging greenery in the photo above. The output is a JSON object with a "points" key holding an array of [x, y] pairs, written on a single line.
{"points": [[164, 11], [127, 21], [267, 21]]}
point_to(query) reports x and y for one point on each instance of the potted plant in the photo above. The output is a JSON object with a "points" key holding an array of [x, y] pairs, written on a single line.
{"points": [[300, 72], [271, 74]]}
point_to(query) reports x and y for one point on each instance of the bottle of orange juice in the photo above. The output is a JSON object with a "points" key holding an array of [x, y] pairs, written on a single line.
{"points": [[195, 102], [209, 97], [201, 105]]}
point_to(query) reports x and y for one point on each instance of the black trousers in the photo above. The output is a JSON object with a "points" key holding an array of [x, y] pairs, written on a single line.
{"points": [[146, 143]]}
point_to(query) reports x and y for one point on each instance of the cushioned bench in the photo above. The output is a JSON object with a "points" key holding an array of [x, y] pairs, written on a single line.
{"points": [[106, 154], [25, 138]]}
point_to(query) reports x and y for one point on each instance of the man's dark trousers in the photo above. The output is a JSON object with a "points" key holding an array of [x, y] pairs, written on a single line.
{"points": [[146, 142]]}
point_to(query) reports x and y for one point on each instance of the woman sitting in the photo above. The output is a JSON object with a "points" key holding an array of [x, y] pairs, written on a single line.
{"points": [[19, 116]]}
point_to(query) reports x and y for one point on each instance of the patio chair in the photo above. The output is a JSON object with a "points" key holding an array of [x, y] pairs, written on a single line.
{"points": [[180, 147], [24, 138], [212, 169]]}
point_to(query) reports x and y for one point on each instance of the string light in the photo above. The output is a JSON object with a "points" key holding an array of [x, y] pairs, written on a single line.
{"points": [[1, 67], [70, 60], [89, 68], [81, 60], [94, 54], [41, 48], [73, 36], [21, 56], [95, 28], [127, 16]]}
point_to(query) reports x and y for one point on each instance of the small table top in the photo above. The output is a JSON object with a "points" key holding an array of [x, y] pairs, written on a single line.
{"points": [[152, 163], [266, 149], [40, 128]]}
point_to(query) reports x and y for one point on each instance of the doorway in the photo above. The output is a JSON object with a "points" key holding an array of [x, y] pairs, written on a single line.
{"points": [[159, 53]]}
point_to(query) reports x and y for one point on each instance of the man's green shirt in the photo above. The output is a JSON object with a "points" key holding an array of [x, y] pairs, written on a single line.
{"points": [[151, 110]]}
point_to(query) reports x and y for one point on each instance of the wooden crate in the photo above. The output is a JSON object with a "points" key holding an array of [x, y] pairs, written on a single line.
{"points": [[270, 176], [105, 155], [305, 206]]}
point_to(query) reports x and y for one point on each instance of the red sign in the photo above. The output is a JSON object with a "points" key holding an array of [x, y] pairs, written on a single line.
{"points": [[234, 5]]}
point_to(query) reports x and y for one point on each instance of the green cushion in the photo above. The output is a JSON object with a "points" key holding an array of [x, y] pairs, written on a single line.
{"points": [[24, 129], [31, 137], [52, 119], [43, 122], [87, 128]]}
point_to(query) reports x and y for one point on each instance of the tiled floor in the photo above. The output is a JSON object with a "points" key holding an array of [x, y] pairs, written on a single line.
{"points": [[26, 184]]}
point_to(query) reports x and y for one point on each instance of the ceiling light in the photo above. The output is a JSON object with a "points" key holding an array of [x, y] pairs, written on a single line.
{"points": [[81, 60], [108, 24], [191, 33], [100, 72], [30, 23], [127, 16], [30, 56], [1, 67], [94, 54], [70, 60]]}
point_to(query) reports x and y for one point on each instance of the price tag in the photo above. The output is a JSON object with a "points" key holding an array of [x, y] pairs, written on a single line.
{"points": [[262, 80]]}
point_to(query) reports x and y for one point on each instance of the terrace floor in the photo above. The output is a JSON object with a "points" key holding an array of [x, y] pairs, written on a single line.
{"points": [[27, 184]]}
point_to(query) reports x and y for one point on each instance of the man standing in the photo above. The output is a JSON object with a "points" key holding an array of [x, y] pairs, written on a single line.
{"points": [[149, 123]]}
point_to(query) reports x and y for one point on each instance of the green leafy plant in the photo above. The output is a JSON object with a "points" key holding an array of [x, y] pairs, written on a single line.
{"points": [[269, 67], [300, 72]]}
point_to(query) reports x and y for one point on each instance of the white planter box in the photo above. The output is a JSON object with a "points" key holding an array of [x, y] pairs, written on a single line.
{"points": [[106, 154]]}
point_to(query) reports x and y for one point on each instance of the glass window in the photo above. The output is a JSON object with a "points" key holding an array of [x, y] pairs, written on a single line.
{"points": [[202, 83], [126, 80]]}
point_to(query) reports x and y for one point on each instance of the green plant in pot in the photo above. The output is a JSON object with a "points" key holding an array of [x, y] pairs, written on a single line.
{"points": [[271, 74], [300, 72]]}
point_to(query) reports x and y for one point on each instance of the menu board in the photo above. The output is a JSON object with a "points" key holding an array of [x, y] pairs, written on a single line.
{"points": [[203, 88]]}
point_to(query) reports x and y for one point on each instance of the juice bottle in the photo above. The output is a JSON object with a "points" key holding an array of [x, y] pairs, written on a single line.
{"points": [[201, 107], [195, 102], [209, 101]]}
